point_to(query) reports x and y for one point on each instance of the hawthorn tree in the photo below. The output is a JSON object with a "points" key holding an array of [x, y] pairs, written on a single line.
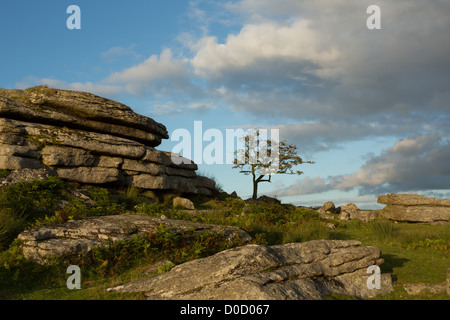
{"points": [[262, 158]]}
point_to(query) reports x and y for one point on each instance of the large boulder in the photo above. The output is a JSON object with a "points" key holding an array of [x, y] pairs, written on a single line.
{"points": [[89, 139], [75, 239], [294, 271], [415, 208], [82, 110]]}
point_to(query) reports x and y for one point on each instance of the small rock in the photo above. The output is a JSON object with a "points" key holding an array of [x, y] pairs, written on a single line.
{"points": [[245, 210], [417, 288], [344, 216], [348, 211], [183, 203], [328, 207]]}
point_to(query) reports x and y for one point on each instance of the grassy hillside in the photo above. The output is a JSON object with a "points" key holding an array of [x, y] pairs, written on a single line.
{"points": [[413, 253]]}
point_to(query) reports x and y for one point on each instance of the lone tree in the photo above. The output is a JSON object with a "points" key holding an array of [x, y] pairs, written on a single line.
{"points": [[262, 158]]}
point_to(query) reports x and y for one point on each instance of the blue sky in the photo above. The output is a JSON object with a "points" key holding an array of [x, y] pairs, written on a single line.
{"points": [[370, 107]]}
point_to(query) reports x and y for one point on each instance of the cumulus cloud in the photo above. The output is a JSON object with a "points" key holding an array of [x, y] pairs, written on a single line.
{"points": [[153, 68], [412, 164], [256, 44], [320, 60], [156, 74], [312, 64]]}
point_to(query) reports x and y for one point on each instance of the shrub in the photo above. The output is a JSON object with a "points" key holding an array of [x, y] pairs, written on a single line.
{"points": [[162, 244], [4, 173], [11, 224], [24, 202], [33, 197]]}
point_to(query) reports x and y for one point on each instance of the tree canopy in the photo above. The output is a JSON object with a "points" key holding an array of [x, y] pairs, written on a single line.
{"points": [[263, 158]]}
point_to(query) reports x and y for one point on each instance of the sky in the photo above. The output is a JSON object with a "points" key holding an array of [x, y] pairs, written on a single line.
{"points": [[370, 107]]}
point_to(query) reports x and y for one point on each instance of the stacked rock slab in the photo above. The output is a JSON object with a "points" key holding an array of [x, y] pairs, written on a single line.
{"points": [[88, 139], [415, 208]]}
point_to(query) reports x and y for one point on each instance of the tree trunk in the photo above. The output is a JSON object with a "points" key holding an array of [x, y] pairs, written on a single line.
{"points": [[255, 188]]}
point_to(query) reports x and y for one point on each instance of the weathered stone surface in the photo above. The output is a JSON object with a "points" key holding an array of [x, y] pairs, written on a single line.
{"points": [[67, 157], [26, 175], [180, 172], [183, 203], [412, 200], [328, 207], [88, 139], [415, 208], [181, 162], [147, 181], [295, 271], [165, 182], [205, 182], [16, 163], [367, 215], [418, 288], [80, 110], [76, 238], [19, 151], [351, 211], [91, 141], [156, 156], [109, 162], [447, 282], [144, 167], [91, 175], [426, 214], [348, 211]]}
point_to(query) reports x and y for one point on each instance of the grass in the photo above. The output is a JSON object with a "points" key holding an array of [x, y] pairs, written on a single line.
{"points": [[412, 252], [4, 173]]}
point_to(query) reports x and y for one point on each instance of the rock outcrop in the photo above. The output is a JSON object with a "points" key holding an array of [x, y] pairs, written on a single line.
{"points": [[295, 271], [346, 212], [88, 139], [75, 239], [415, 208], [328, 207]]}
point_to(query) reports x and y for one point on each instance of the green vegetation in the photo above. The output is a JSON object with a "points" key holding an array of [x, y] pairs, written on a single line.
{"points": [[4, 173], [413, 253], [42, 89]]}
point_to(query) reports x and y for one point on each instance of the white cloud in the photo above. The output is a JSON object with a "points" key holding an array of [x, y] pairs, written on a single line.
{"points": [[312, 59], [415, 163], [154, 68], [256, 44], [312, 64]]}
